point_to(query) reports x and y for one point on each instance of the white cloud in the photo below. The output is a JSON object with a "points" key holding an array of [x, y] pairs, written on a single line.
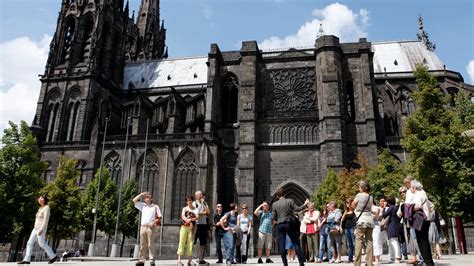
{"points": [[21, 60], [470, 70], [337, 19]]}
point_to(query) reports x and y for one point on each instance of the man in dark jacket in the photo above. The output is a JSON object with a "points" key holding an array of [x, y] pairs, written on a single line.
{"points": [[287, 224]]}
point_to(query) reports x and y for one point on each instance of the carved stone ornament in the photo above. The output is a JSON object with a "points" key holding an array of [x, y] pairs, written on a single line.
{"points": [[292, 90]]}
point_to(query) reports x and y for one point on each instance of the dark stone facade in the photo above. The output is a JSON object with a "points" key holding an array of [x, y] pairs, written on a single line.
{"points": [[258, 122]]}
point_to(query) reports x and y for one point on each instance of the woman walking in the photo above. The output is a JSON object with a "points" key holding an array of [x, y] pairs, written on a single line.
{"points": [[39, 231]]}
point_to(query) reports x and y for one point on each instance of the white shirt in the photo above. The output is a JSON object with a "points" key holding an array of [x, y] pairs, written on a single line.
{"points": [[148, 212], [409, 196], [420, 199], [200, 209]]}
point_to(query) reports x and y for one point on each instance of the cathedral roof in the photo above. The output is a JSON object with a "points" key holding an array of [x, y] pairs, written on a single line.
{"points": [[402, 56], [166, 73]]}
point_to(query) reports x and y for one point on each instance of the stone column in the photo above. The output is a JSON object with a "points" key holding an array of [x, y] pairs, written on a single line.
{"points": [[329, 91]]}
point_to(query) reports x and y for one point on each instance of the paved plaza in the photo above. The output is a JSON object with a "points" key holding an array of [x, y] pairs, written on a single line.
{"points": [[456, 260]]}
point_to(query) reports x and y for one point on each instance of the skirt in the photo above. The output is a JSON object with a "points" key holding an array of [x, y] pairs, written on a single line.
{"points": [[433, 234]]}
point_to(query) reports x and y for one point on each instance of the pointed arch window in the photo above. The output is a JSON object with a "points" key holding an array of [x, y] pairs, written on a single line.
{"points": [[68, 35], [72, 111], [230, 99], [295, 192], [350, 104], [52, 116], [86, 40], [113, 162], [452, 91], [184, 182], [148, 175]]}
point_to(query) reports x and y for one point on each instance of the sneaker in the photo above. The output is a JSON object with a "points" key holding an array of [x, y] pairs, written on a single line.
{"points": [[269, 260], [260, 260], [51, 261], [23, 262]]}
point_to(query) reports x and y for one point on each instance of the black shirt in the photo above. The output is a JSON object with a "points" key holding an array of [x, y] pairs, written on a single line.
{"points": [[217, 217], [349, 221]]}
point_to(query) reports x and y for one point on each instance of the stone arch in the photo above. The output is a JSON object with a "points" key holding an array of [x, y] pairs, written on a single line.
{"points": [[148, 172], [85, 42], [452, 91], [184, 181], [70, 113], [52, 114], [229, 98], [293, 190], [113, 162], [68, 34], [407, 105]]}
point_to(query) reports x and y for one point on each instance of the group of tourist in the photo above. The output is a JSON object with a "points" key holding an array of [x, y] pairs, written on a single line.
{"points": [[408, 225]]}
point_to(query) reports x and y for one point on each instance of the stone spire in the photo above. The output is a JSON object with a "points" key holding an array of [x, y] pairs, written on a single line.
{"points": [[423, 35], [151, 34]]}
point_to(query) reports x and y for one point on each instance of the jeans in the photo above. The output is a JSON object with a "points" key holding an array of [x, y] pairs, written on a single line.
{"points": [[323, 242], [284, 229], [334, 239], [41, 242], [350, 237], [219, 237], [229, 246]]}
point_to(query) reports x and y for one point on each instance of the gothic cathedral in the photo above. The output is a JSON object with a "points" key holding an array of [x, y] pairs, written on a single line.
{"points": [[235, 124]]}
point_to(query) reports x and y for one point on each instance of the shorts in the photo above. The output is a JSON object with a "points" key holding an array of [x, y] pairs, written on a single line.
{"points": [[202, 234], [265, 239]]}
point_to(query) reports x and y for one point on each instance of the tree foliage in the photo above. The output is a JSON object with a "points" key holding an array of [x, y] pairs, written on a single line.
{"points": [[107, 209], [128, 216], [64, 201], [327, 191], [20, 171], [386, 177], [440, 156]]}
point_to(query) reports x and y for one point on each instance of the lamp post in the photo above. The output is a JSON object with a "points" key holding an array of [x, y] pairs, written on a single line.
{"points": [[113, 253], [136, 250], [90, 252]]}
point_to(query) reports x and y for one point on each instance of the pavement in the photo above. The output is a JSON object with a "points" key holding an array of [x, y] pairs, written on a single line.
{"points": [[455, 260]]}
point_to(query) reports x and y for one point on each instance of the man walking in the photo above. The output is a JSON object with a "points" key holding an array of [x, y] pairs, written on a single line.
{"points": [[202, 226], [264, 231], [150, 218], [287, 224]]}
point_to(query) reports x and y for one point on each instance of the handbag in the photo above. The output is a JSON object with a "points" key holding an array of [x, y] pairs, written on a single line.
{"points": [[384, 223]]}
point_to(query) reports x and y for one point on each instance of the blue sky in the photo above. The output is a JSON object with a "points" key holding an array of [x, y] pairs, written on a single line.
{"points": [[26, 27]]}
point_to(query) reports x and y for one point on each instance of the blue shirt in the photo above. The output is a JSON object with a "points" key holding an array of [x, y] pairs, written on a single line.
{"points": [[265, 222], [231, 219]]}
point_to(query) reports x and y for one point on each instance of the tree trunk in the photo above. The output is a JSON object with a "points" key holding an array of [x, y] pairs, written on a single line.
{"points": [[18, 245], [122, 244], [108, 245]]}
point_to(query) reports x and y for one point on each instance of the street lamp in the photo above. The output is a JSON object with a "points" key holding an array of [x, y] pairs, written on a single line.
{"points": [[113, 253], [136, 250], [90, 252]]}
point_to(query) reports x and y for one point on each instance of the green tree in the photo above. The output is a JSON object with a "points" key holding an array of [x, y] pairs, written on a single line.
{"points": [[64, 201], [107, 208], [327, 191], [20, 182], [349, 177], [440, 156], [129, 214], [386, 177]]}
